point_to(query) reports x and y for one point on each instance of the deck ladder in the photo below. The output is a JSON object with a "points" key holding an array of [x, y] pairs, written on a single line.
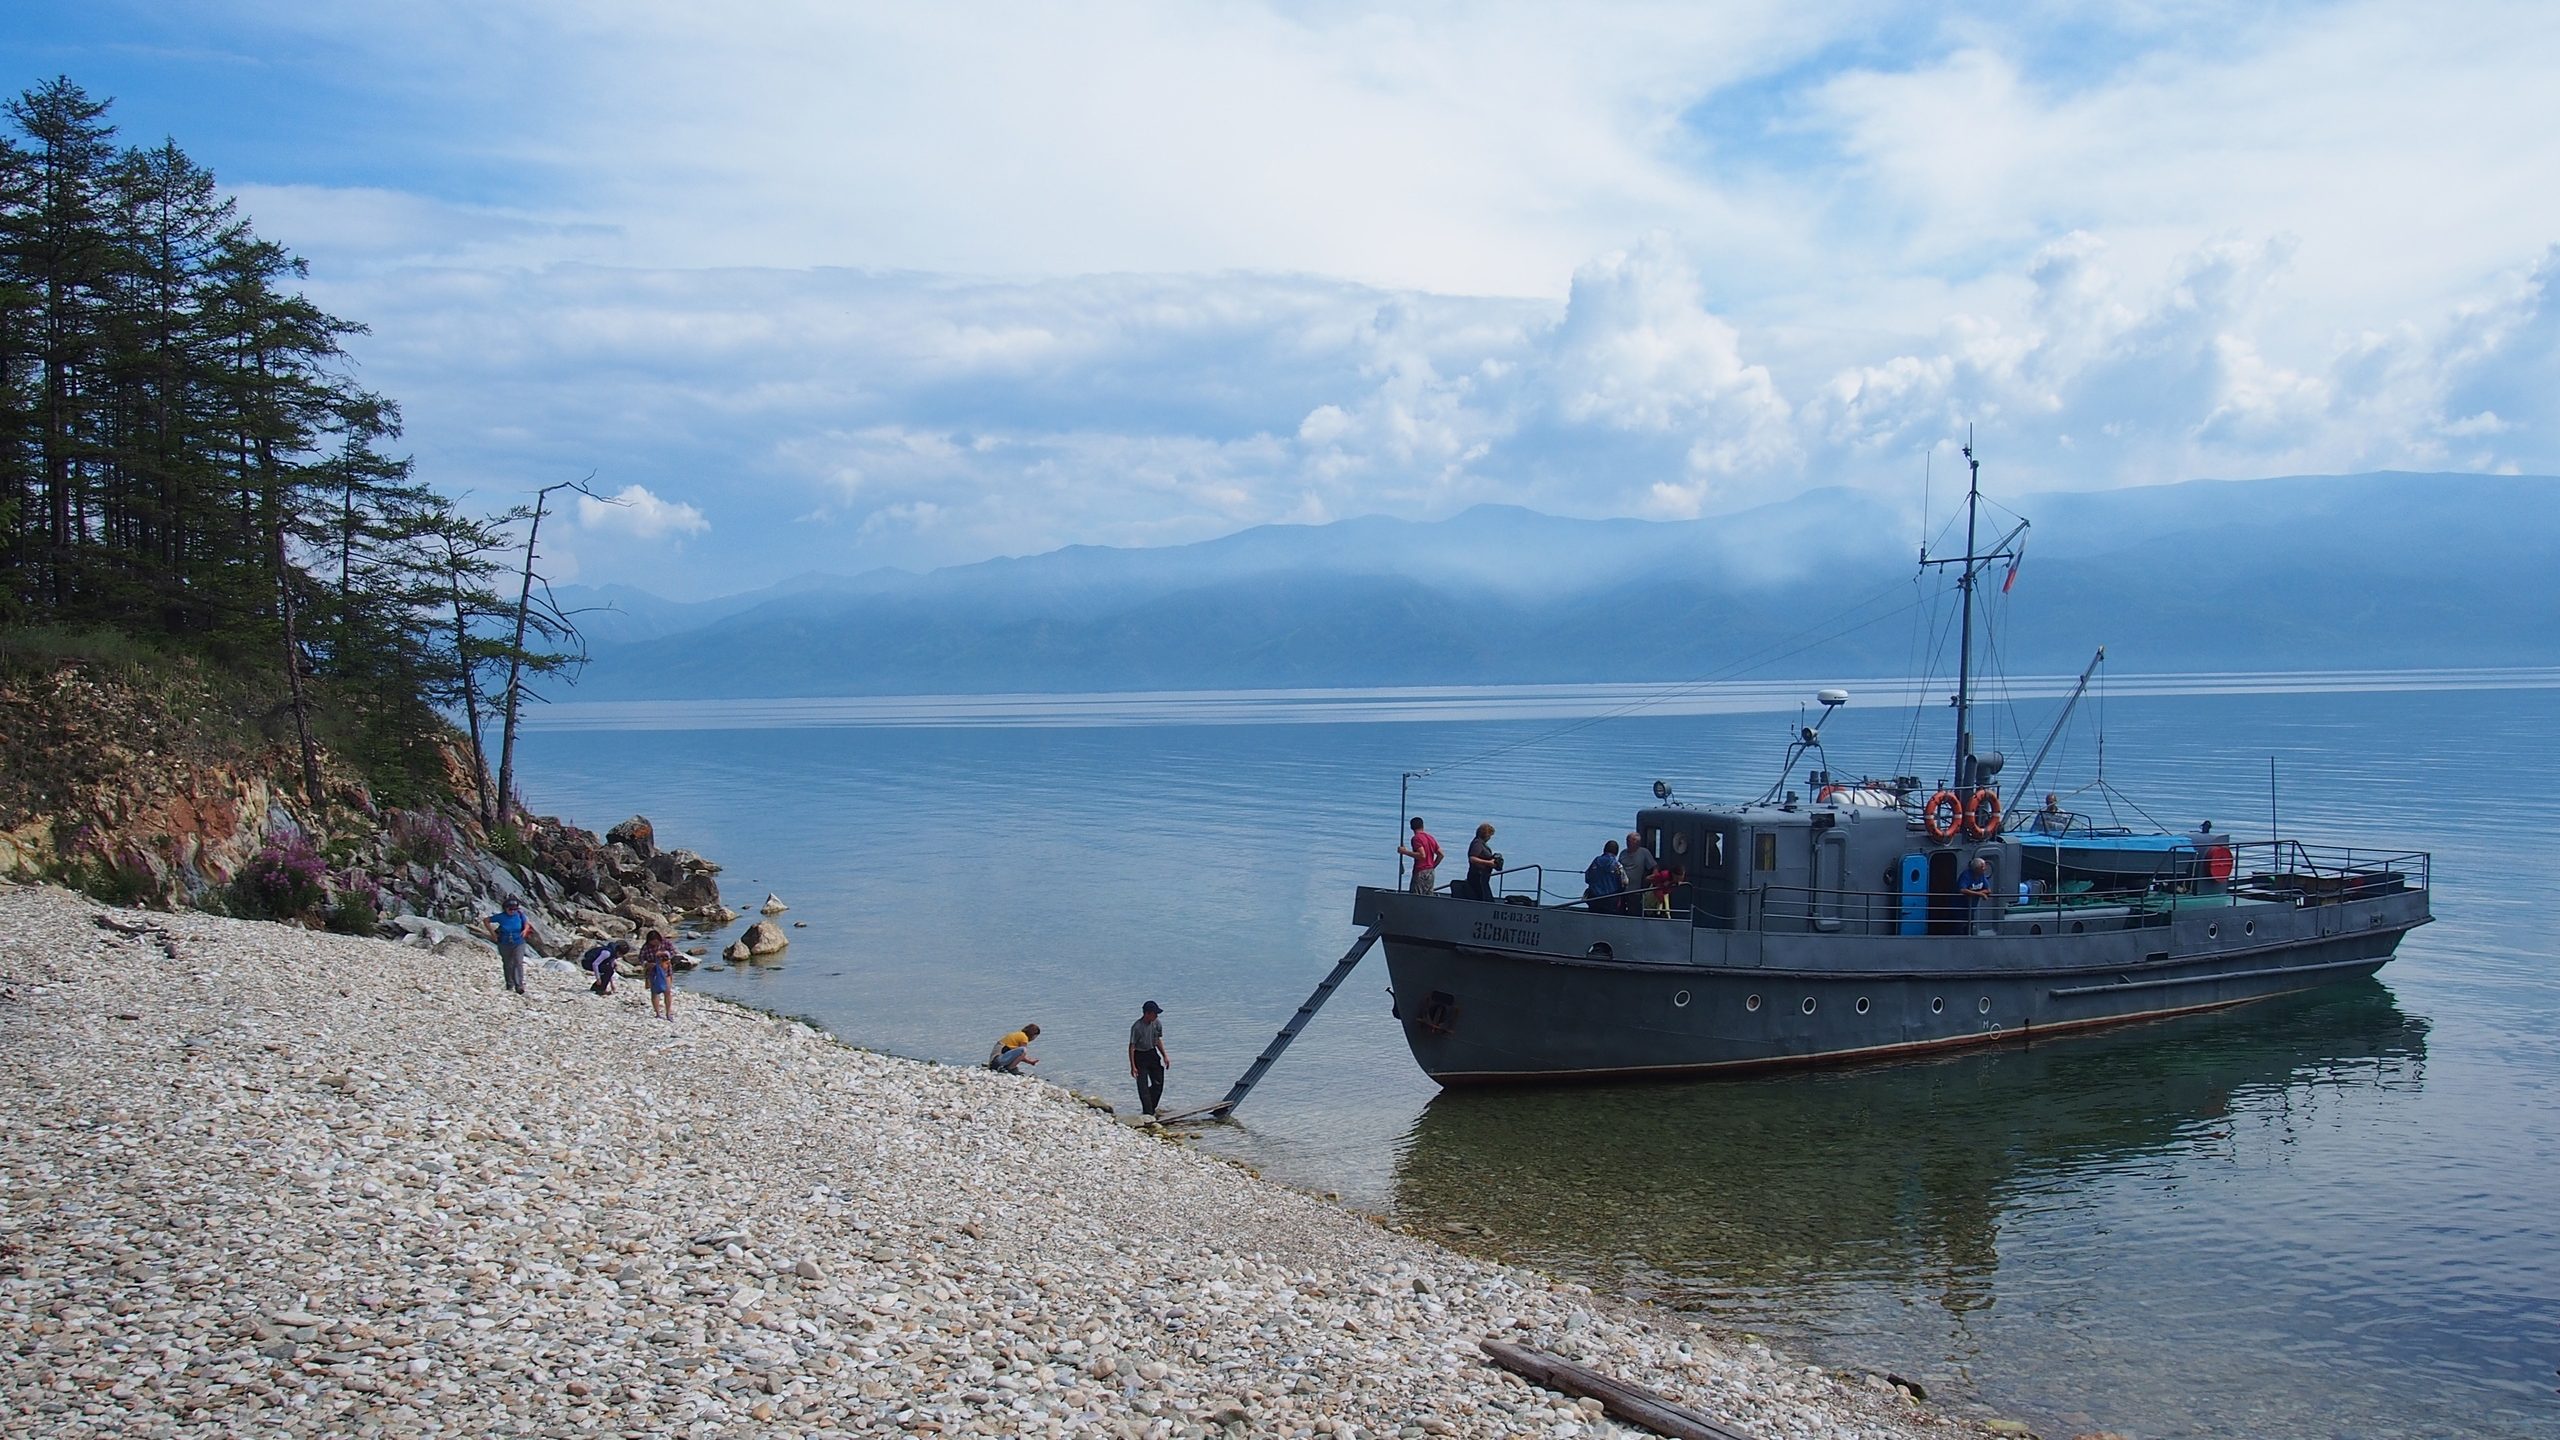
{"points": [[1271, 1053]]}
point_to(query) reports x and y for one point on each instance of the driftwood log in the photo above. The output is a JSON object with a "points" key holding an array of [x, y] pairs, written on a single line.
{"points": [[167, 942], [1631, 1403]]}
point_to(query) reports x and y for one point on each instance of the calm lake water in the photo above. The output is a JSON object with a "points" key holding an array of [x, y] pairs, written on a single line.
{"points": [[2337, 1215]]}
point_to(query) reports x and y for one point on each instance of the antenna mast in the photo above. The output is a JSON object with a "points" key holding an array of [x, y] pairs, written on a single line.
{"points": [[1964, 647], [1972, 564]]}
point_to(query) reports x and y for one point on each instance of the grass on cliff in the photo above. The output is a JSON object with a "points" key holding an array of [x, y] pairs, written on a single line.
{"points": [[61, 687]]}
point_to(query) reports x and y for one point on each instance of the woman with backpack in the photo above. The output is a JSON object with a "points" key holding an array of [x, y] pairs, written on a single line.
{"points": [[605, 962]]}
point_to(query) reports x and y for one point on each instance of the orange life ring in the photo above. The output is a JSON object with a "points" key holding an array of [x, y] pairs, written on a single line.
{"points": [[1944, 815], [1976, 823]]}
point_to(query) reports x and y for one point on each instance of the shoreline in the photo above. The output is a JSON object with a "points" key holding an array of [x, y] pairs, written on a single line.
{"points": [[307, 1183]]}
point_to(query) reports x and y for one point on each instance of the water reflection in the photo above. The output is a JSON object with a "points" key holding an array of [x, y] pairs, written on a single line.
{"points": [[1806, 1194]]}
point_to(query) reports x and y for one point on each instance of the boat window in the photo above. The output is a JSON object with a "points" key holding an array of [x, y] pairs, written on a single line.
{"points": [[1700, 852], [1764, 850]]}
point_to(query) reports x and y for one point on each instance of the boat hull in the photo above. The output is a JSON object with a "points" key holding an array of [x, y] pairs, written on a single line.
{"points": [[1493, 994]]}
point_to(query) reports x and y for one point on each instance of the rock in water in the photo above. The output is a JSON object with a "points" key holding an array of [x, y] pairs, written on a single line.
{"points": [[765, 938], [773, 904], [637, 833], [737, 952], [696, 891]]}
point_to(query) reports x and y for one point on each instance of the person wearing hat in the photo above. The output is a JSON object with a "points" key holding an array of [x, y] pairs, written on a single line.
{"points": [[1147, 1059], [507, 928]]}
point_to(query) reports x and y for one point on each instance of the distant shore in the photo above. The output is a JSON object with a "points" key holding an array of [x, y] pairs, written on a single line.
{"points": [[259, 1179]]}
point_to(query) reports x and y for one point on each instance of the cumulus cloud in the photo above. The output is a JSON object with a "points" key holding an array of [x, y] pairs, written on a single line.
{"points": [[941, 283], [634, 513], [871, 410]]}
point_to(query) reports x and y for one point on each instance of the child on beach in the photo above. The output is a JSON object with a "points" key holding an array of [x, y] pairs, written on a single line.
{"points": [[658, 967], [603, 962]]}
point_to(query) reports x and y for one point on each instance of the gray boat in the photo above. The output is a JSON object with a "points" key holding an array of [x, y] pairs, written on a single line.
{"points": [[1829, 922]]}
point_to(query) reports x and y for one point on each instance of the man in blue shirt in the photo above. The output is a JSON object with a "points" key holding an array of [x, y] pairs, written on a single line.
{"points": [[1977, 891], [507, 928]]}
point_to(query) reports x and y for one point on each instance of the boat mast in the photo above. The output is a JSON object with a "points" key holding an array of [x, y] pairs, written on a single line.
{"points": [[1964, 647], [1972, 561]]}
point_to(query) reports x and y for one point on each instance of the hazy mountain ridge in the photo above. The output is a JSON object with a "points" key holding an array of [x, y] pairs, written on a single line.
{"points": [[2309, 572]]}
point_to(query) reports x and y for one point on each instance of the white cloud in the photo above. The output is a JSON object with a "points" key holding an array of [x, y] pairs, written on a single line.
{"points": [[944, 282], [1161, 409], [635, 513]]}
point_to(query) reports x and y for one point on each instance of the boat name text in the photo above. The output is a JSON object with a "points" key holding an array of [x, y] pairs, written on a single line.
{"points": [[1502, 934]]}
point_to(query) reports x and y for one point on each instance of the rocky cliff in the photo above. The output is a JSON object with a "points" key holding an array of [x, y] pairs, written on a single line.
{"points": [[155, 788]]}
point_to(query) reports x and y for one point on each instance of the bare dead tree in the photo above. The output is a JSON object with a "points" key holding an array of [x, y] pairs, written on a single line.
{"points": [[548, 622]]}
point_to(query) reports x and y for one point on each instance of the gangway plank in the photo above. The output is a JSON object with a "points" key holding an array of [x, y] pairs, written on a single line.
{"points": [[1271, 1053]]}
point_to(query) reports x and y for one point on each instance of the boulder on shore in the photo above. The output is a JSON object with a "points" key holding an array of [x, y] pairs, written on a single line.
{"points": [[637, 833], [765, 938], [773, 904]]}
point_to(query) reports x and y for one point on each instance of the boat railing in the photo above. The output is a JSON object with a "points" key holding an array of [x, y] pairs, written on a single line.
{"points": [[1894, 912], [2312, 874], [1535, 893], [1504, 887], [2035, 825]]}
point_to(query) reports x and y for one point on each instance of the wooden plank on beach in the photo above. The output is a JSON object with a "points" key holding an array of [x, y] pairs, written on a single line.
{"points": [[1632, 1403]]}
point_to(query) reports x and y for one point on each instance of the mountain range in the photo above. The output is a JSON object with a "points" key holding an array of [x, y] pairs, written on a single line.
{"points": [[2383, 570]]}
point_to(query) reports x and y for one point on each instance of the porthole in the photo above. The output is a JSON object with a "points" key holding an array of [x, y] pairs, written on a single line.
{"points": [[1679, 842], [1983, 1006], [2035, 929], [1808, 1004], [1751, 1004], [2213, 930], [2248, 927], [2079, 927], [1937, 1004], [1862, 1004], [1681, 1000]]}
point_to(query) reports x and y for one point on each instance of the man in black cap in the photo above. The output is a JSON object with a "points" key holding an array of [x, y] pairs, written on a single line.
{"points": [[1147, 1060]]}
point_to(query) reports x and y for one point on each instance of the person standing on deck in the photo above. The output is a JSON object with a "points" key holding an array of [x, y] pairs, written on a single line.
{"points": [[1601, 880], [2050, 820], [1147, 1057], [1482, 863], [1976, 891], [1426, 859], [1636, 864]]}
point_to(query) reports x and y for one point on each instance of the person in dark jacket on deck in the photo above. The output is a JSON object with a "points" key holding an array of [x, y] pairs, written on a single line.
{"points": [[1602, 880], [1482, 864]]}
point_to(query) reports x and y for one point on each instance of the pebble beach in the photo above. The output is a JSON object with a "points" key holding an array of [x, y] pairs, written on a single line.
{"points": [[258, 1180]]}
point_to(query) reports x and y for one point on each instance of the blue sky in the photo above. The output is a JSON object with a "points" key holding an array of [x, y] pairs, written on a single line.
{"points": [[829, 286]]}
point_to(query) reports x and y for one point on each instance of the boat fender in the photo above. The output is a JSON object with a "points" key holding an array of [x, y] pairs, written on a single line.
{"points": [[1944, 815], [1982, 817]]}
